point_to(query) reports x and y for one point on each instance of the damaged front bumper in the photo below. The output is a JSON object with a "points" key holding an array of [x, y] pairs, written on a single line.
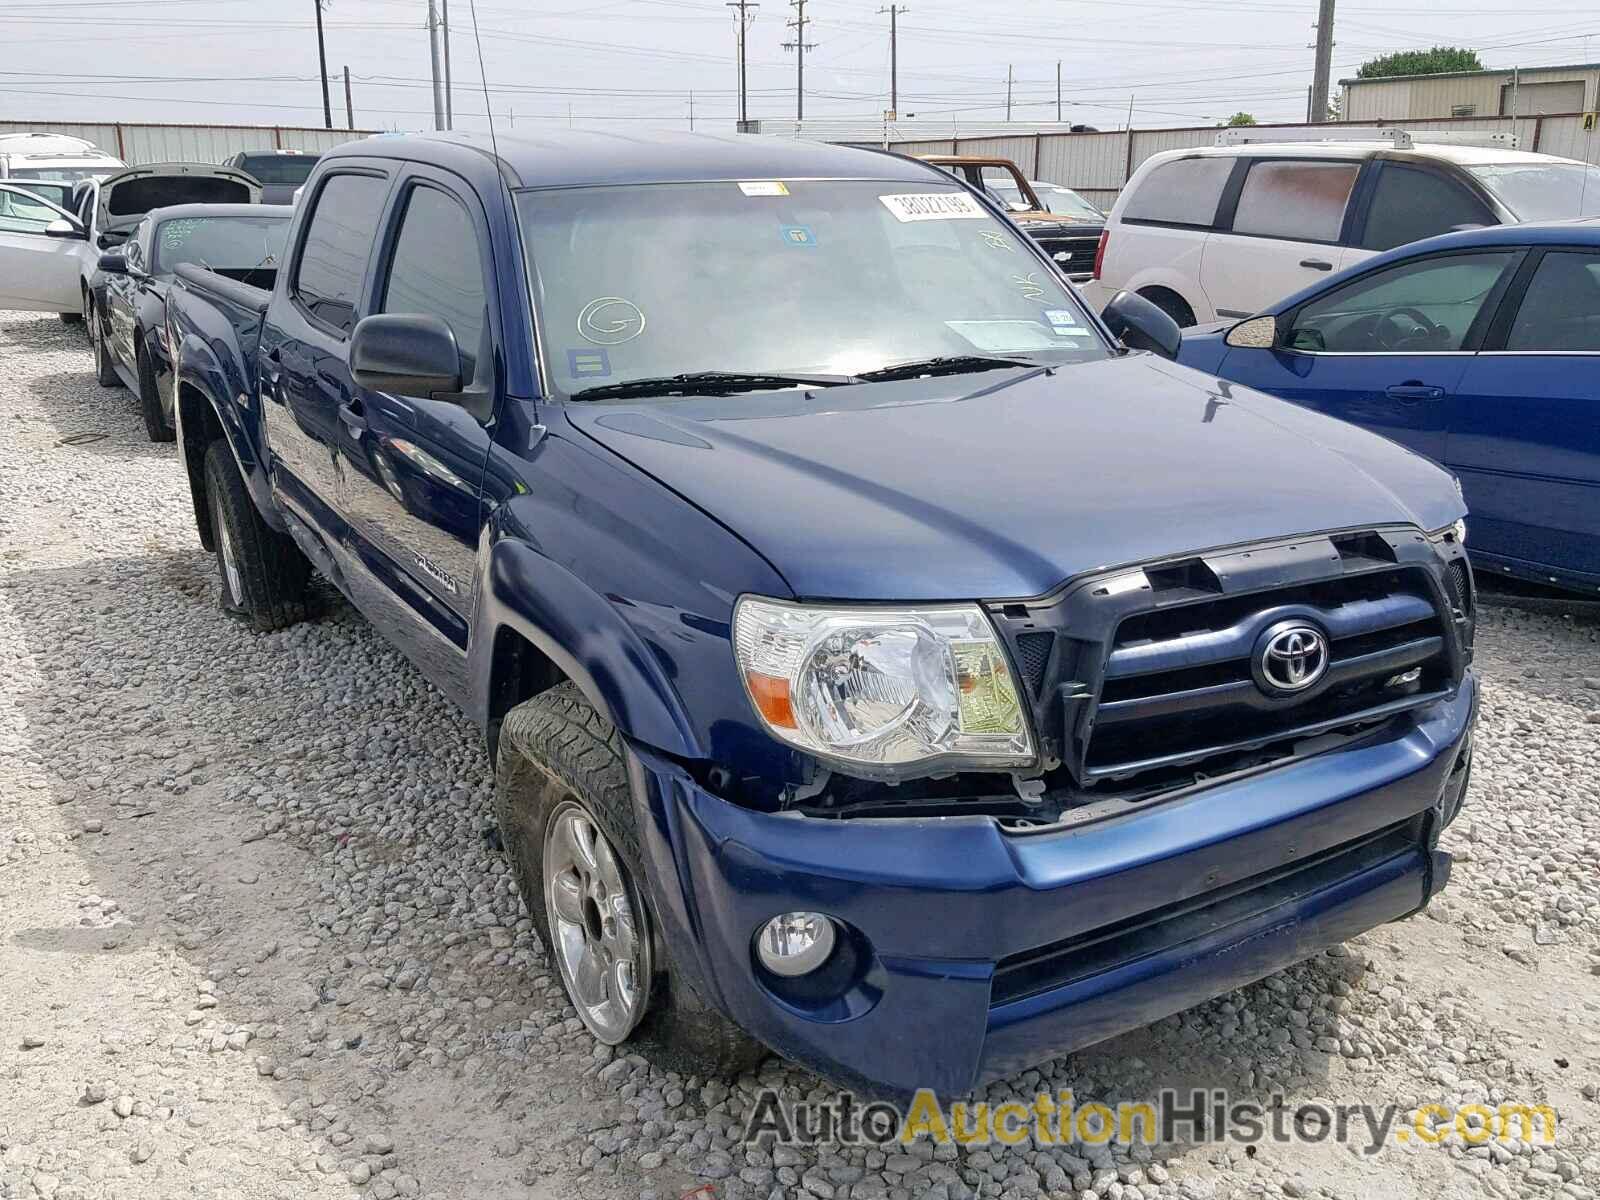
{"points": [[969, 952]]}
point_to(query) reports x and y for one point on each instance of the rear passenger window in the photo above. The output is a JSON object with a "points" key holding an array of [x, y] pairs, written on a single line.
{"points": [[1183, 192], [1562, 308], [436, 270], [1409, 205], [1298, 201], [333, 259]]}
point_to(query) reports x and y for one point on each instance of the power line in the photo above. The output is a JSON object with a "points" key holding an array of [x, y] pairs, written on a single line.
{"points": [[799, 46]]}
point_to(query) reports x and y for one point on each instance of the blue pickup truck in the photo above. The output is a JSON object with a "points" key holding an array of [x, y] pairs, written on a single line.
{"points": [[882, 662]]}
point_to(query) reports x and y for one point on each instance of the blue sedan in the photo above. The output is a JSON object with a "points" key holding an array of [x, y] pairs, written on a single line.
{"points": [[1479, 350]]}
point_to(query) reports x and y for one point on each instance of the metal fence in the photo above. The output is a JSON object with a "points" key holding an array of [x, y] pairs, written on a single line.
{"points": [[138, 143], [1098, 164]]}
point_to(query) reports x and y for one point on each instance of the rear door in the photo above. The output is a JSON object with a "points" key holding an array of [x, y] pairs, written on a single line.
{"points": [[1387, 349], [304, 355], [1280, 231], [38, 272], [412, 465], [1524, 429]]}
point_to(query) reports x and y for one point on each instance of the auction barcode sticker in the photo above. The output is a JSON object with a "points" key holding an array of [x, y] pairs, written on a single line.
{"points": [[933, 206]]}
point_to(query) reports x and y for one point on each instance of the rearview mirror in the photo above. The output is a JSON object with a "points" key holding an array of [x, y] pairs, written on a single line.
{"points": [[63, 228], [114, 262], [1140, 325], [406, 354], [1258, 333]]}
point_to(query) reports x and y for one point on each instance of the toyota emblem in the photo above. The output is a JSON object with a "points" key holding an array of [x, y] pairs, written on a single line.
{"points": [[1290, 657]]}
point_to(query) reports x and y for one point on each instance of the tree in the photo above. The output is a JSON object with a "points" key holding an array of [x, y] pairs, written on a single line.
{"points": [[1241, 118], [1421, 62]]}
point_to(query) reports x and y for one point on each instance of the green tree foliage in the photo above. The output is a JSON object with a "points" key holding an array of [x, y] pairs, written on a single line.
{"points": [[1241, 118], [1421, 62]]}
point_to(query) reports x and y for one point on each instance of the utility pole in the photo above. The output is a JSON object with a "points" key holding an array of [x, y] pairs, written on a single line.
{"points": [[449, 100], [433, 59], [322, 58], [799, 46], [1058, 91], [743, 17], [349, 106], [1319, 76], [1008, 91], [894, 10]]}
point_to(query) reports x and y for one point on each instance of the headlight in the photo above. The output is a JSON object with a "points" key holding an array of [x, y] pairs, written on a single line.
{"points": [[882, 689], [1451, 533]]}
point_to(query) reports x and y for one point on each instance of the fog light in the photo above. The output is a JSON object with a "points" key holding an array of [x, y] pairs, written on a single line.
{"points": [[795, 943]]}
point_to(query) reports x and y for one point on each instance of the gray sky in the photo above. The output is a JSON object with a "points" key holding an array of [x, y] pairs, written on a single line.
{"points": [[635, 62]]}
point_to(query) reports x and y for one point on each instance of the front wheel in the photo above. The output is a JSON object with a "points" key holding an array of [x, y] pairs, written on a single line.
{"points": [[156, 422], [265, 578], [565, 810], [105, 371]]}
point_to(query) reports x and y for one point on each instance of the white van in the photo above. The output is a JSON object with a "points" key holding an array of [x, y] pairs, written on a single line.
{"points": [[1220, 232]]}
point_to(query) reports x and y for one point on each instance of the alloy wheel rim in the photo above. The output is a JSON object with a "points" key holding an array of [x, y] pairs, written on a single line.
{"points": [[230, 565], [599, 943]]}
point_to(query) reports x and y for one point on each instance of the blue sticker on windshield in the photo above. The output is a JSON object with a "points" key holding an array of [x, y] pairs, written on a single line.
{"points": [[798, 235], [588, 364]]}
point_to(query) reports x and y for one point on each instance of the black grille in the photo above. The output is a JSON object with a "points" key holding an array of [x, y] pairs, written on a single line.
{"points": [[1033, 655], [1180, 683], [1461, 587], [1079, 251]]}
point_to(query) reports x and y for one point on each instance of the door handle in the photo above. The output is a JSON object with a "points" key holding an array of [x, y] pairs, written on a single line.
{"points": [[1412, 393], [1317, 264], [355, 421]]}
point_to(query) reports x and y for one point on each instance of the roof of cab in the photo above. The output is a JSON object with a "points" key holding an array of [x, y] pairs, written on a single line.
{"points": [[577, 158], [279, 211]]}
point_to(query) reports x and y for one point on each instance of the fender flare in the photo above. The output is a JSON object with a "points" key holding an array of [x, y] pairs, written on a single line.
{"points": [[585, 637], [204, 401]]}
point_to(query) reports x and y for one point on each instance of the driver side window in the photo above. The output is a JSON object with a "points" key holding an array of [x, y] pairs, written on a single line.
{"points": [[23, 212], [1426, 306]]}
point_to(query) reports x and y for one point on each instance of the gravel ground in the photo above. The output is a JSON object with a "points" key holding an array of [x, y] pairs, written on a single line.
{"points": [[253, 942]]}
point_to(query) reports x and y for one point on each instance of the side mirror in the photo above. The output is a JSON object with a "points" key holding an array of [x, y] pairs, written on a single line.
{"points": [[406, 354], [63, 228], [1258, 333], [114, 262], [1140, 325], [107, 241]]}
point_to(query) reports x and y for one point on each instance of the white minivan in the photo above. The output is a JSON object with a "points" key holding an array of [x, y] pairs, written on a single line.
{"points": [[1220, 232]]}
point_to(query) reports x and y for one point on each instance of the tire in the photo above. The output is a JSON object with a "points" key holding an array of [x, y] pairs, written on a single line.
{"points": [[559, 758], [155, 421], [104, 372], [70, 318], [1172, 304], [264, 576]]}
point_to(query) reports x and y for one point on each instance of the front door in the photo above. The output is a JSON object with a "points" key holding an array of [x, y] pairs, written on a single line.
{"points": [[38, 270], [1524, 429], [304, 372], [1385, 350], [412, 465]]}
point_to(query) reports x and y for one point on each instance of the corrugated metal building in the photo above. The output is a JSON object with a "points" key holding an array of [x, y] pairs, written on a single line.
{"points": [[1527, 92]]}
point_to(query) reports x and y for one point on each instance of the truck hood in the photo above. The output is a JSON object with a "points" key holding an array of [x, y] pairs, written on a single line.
{"points": [[963, 488]]}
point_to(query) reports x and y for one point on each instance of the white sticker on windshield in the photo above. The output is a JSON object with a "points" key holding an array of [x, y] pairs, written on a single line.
{"points": [[1003, 337], [933, 206], [764, 187], [1063, 321]]}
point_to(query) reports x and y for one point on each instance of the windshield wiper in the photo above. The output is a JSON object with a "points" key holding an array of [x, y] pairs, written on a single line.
{"points": [[947, 364], [706, 383]]}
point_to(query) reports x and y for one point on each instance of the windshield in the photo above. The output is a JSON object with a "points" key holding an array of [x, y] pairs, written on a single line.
{"points": [[69, 174], [279, 170], [1067, 202], [1543, 191], [815, 277], [220, 243]]}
